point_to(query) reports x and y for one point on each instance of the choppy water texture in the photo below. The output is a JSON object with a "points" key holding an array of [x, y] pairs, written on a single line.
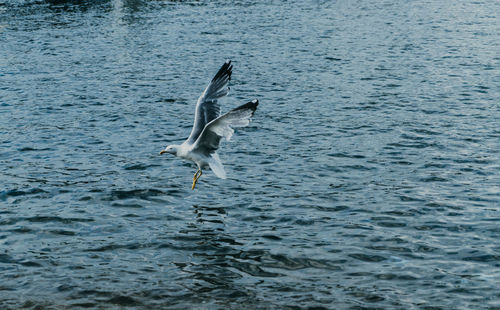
{"points": [[369, 177]]}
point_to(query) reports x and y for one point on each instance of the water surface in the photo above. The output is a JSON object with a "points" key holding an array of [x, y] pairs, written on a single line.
{"points": [[369, 178]]}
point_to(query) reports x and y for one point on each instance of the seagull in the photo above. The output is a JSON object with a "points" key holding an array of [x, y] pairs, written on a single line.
{"points": [[210, 127]]}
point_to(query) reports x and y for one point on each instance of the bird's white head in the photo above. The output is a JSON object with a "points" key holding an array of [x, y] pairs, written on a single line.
{"points": [[172, 149]]}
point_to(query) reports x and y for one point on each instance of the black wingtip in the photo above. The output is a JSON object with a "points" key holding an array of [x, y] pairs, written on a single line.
{"points": [[252, 105], [224, 72]]}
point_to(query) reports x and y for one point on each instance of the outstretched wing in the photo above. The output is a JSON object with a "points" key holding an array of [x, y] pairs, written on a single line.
{"points": [[208, 141], [207, 107]]}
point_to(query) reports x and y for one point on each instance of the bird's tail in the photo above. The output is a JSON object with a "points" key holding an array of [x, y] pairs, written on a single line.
{"points": [[216, 166]]}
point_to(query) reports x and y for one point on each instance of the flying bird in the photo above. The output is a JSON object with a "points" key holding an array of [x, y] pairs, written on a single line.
{"points": [[210, 127]]}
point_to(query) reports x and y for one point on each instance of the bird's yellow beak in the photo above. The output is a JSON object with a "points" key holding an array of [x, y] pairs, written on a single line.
{"points": [[163, 151]]}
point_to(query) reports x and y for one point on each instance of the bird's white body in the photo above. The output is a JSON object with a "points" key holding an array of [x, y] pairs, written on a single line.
{"points": [[185, 152]]}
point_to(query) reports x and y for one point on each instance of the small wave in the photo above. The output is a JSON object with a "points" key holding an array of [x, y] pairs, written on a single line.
{"points": [[367, 257], [433, 179], [139, 167], [16, 192], [31, 149], [144, 194], [416, 145], [345, 155], [64, 220], [122, 300], [130, 246], [44, 219], [127, 205]]}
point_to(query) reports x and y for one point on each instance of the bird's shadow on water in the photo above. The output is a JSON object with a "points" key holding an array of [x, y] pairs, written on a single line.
{"points": [[214, 276]]}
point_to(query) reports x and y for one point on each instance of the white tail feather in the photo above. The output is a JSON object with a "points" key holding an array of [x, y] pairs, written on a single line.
{"points": [[216, 166]]}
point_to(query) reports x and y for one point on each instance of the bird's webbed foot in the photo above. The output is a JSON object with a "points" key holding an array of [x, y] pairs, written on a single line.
{"points": [[196, 176]]}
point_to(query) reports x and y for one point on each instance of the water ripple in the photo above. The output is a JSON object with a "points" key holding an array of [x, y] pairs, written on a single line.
{"points": [[366, 180]]}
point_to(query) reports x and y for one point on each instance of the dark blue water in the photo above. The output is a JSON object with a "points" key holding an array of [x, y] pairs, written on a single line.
{"points": [[369, 178]]}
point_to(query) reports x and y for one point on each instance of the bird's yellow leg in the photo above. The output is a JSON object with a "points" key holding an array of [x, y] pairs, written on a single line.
{"points": [[196, 176]]}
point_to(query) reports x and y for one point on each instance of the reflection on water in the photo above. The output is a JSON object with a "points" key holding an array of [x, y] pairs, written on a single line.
{"points": [[367, 179]]}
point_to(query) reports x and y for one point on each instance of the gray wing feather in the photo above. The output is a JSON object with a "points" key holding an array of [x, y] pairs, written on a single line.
{"points": [[207, 107], [209, 139]]}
